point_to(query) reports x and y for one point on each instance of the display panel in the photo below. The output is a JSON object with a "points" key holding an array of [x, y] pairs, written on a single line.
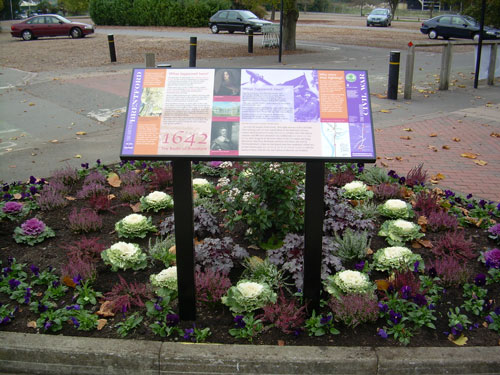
{"points": [[249, 114]]}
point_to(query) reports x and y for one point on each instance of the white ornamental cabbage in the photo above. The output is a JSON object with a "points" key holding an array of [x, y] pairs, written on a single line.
{"points": [[134, 225], [356, 190], [250, 289], [349, 282], [395, 258], [397, 232], [404, 226], [156, 201], [248, 296], [134, 219], [200, 182], [123, 255], [167, 278]]}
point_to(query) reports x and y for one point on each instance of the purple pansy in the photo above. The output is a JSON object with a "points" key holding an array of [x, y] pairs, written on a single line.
{"points": [[480, 279], [238, 321], [382, 333]]}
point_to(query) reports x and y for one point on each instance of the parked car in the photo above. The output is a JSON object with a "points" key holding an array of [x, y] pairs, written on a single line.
{"points": [[49, 25], [236, 20], [456, 26], [379, 16]]}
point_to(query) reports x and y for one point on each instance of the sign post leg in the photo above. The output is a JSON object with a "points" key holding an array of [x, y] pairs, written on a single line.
{"points": [[184, 237], [313, 225]]}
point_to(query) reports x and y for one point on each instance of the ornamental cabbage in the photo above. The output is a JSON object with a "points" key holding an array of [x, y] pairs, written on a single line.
{"points": [[156, 201], [134, 225], [400, 231], [349, 282], [32, 231], [165, 279], [123, 255], [248, 296], [356, 190], [396, 209], [14, 210], [396, 258], [203, 187]]}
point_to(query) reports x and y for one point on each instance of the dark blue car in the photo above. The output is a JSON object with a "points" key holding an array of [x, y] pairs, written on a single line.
{"points": [[456, 26]]}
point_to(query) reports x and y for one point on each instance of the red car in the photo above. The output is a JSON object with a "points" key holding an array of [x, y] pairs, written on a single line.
{"points": [[49, 25]]}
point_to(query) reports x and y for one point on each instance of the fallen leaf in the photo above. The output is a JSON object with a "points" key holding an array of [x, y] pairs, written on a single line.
{"points": [[31, 324], [77, 156], [422, 220], [461, 86], [54, 141], [172, 250], [389, 158], [416, 245], [469, 155], [255, 247], [17, 196], [495, 135], [461, 341], [456, 139], [446, 147], [433, 135], [70, 198], [101, 323], [433, 148], [480, 162], [369, 251], [405, 137], [438, 177], [425, 243], [114, 180], [408, 129], [384, 164], [68, 281], [385, 111], [381, 96], [106, 309], [81, 133], [382, 284], [111, 196], [399, 158], [31, 104], [281, 342], [485, 325], [136, 207]]}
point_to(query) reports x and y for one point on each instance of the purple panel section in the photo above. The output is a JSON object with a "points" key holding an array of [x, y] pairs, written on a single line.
{"points": [[359, 112], [134, 105]]}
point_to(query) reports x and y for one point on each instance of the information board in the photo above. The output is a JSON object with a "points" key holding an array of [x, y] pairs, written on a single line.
{"points": [[203, 113]]}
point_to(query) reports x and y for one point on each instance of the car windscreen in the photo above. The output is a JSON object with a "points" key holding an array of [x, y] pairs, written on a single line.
{"points": [[65, 20], [379, 12], [247, 14], [471, 21]]}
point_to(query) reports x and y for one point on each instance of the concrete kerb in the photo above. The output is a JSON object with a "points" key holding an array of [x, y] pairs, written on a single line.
{"points": [[47, 354]]}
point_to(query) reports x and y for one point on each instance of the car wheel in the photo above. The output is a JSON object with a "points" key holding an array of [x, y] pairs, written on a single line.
{"points": [[475, 37], [75, 33], [27, 35], [214, 29], [367, 24], [230, 31], [433, 34], [248, 29]]}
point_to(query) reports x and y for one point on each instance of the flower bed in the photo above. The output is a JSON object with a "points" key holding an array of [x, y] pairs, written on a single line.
{"points": [[403, 263]]}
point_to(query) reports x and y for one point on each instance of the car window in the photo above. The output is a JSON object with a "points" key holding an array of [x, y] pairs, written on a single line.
{"points": [[232, 16], [379, 12], [247, 14], [51, 20], [38, 20], [223, 14], [445, 20], [459, 21]]}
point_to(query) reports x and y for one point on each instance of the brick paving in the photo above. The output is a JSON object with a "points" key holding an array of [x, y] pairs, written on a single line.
{"points": [[438, 143]]}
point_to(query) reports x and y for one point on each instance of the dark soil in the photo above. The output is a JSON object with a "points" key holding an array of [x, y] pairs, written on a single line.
{"points": [[52, 252]]}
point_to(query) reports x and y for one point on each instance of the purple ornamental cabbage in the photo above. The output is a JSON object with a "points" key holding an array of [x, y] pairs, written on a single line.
{"points": [[492, 258], [33, 227], [12, 208]]}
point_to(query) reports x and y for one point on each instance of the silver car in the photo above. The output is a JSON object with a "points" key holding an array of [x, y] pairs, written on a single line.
{"points": [[379, 16]]}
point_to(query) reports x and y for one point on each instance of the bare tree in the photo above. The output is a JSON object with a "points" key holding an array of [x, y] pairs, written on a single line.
{"points": [[290, 17], [393, 4]]}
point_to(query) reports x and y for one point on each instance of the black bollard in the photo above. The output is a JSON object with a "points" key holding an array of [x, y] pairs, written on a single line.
{"points": [[250, 41], [112, 52], [392, 86], [192, 52]]}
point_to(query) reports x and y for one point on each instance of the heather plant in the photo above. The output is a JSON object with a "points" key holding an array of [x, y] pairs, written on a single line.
{"points": [[132, 193], [396, 209], [205, 224], [210, 287], [439, 221], [286, 314], [340, 177], [156, 201], [267, 198], [125, 295], [14, 211], [95, 177], [387, 191], [218, 255], [134, 226], [88, 248], [51, 197], [374, 176], [32, 231], [161, 178], [396, 258], [261, 270], [290, 258], [84, 221], [130, 178], [247, 296], [406, 280], [101, 203], [416, 176], [352, 245], [456, 245], [349, 282], [356, 190], [354, 309], [92, 189], [397, 232], [67, 175], [163, 250], [122, 255], [78, 268], [427, 202], [340, 215]]}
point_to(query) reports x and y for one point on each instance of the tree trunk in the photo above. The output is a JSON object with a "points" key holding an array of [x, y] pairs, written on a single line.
{"points": [[273, 13], [290, 17]]}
